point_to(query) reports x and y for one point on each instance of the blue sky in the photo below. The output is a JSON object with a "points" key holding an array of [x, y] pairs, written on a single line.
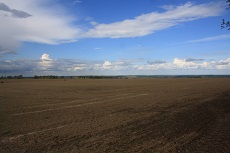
{"points": [[113, 37]]}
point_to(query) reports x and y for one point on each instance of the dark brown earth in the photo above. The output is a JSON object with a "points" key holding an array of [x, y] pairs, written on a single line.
{"points": [[115, 115]]}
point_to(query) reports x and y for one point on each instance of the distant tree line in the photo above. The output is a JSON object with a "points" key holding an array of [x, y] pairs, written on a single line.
{"points": [[47, 77], [114, 77], [77, 77], [35, 77], [12, 77], [100, 77]]}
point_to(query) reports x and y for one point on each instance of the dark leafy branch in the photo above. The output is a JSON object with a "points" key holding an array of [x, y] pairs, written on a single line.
{"points": [[226, 24]]}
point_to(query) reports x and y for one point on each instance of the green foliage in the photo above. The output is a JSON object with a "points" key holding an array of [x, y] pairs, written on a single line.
{"points": [[12, 77], [226, 24], [46, 77]]}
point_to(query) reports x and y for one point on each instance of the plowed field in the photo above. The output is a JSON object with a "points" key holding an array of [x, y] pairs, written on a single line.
{"points": [[115, 115]]}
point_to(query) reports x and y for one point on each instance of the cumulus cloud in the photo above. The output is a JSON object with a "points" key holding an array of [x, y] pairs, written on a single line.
{"points": [[179, 63], [79, 67], [47, 65], [45, 57], [46, 62], [186, 64], [194, 64], [223, 64], [149, 23], [107, 65], [155, 65], [114, 66]]}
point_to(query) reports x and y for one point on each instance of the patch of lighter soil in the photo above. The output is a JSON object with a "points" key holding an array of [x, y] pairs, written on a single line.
{"points": [[74, 101], [14, 138], [80, 105]]}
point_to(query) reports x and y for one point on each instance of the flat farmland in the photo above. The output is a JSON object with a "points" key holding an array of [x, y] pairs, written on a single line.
{"points": [[115, 115]]}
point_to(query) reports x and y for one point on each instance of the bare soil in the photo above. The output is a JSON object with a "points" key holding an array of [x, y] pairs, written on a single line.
{"points": [[115, 115]]}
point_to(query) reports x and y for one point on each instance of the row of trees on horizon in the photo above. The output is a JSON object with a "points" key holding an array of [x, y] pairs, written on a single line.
{"points": [[62, 77]]}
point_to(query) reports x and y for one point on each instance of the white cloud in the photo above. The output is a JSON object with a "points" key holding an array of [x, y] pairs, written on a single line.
{"points": [[107, 65], [179, 63], [45, 57], [76, 1], [155, 66], [200, 64], [78, 68], [44, 25], [185, 64], [46, 62], [45, 21], [39, 21], [220, 37], [91, 21], [223, 64], [190, 63], [149, 23], [114, 66]]}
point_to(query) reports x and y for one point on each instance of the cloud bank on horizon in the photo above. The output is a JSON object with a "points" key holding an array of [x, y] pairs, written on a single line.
{"points": [[46, 65], [37, 21]]}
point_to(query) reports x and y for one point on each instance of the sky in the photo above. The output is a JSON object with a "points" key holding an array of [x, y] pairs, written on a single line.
{"points": [[113, 37]]}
